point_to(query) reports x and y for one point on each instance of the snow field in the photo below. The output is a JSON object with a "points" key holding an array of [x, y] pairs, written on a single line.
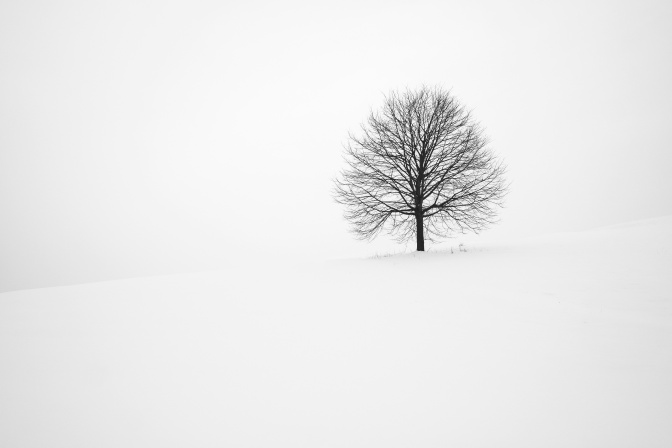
{"points": [[558, 341]]}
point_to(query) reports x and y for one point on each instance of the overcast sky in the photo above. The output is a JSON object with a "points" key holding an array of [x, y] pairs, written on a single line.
{"points": [[146, 137]]}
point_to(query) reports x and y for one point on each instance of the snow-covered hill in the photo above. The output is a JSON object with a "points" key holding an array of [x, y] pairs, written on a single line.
{"points": [[561, 341]]}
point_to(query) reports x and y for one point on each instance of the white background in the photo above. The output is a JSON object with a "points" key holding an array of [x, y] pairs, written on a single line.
{"points": [[148, 137]]}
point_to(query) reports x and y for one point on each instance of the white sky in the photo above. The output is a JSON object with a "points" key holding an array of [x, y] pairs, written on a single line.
{"points": [[146, 137]]}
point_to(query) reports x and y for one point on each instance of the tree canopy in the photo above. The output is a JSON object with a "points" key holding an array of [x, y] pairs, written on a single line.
{"points": [[421, 167]]}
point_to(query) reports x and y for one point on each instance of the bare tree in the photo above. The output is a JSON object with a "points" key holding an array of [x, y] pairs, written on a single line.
{"points": [[421, 167]]}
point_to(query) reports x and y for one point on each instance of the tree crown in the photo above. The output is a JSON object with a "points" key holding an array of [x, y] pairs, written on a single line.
{"points": [[420, 164]]}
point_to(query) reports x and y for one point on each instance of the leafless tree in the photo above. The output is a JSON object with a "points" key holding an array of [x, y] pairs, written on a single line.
{"points": [[421, 167]]}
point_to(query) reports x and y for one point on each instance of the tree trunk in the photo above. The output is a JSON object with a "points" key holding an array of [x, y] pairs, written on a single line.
{"points": [[419, 232]]}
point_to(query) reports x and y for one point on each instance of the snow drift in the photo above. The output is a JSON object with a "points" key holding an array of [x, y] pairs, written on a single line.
{"points": [[558, 341]]}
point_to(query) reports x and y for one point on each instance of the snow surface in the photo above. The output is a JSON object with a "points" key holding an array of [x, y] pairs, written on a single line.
{"points": [[560, 341]]}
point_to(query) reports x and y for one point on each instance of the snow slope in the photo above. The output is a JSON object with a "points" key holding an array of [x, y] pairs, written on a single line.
{"points": [[560, 341]]}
